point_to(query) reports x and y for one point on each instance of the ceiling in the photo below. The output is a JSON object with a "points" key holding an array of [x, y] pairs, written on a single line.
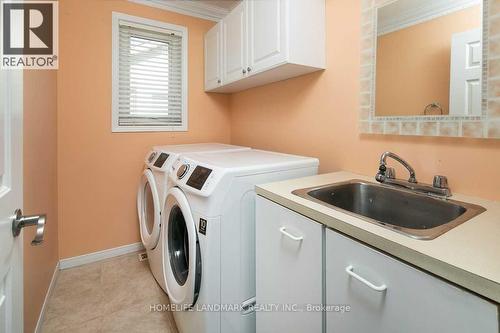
{"points": [[213, 10], [226, 4]]}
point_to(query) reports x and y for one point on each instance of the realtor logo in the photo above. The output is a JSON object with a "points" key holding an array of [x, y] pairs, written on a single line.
{"points": [[29, 34]]}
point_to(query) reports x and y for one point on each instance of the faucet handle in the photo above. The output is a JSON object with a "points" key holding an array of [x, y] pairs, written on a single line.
{"points": [[390, 173], [440, 182]]}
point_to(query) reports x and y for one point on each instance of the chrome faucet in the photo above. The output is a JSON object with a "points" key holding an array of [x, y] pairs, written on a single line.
{"points": [[392, 174], [387, 175]]}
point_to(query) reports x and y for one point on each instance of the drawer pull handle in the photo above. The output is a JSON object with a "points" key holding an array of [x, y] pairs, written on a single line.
{"points": [[289, 235], [349, 270]]}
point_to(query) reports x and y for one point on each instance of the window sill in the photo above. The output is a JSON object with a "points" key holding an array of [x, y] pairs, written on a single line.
{"points": [[136, 129]]}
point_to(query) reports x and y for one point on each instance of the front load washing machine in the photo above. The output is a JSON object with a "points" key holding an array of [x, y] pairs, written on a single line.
{"points": [[209, 235], [151, 194]]}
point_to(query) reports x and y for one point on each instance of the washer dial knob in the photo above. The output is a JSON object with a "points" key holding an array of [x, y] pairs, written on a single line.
{"points": [[152, 157], [182, 171]]}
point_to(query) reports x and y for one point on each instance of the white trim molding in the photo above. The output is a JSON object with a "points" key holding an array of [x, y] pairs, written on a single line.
{"points": [[99, 255], [197, 9], [420, 12], [41, 316]]}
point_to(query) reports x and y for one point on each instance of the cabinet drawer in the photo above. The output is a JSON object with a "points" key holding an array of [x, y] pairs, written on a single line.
{"points": [[386, 295], [288, 268]]}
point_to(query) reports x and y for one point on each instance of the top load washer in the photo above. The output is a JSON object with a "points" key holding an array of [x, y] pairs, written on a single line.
{"points": [[209, 235], [152, 191]]}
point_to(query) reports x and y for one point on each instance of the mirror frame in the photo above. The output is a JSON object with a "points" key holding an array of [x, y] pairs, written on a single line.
{"points": [[485, 126]]}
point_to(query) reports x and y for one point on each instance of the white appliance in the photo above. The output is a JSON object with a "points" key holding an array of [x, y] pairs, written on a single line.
{"points": [[209, 235], [151, 194]]}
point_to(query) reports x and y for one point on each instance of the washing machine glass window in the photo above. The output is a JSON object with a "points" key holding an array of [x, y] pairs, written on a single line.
{"points": [[148, 208], [178, 245]]}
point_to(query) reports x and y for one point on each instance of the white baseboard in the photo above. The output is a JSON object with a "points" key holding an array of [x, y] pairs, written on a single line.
{"points": [[41, 316], [100, 255]]}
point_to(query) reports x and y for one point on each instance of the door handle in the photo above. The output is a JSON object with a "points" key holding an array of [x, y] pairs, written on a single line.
{"points": [[289, 235], [20, 221], [350, 270]]}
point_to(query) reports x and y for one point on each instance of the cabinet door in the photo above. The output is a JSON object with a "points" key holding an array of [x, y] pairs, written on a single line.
{"points": [[267, 37], [288, 269], [400, 297], [235, 44], [213, 59]]}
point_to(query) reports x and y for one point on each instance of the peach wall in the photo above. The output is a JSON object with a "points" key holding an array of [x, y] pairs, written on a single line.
{"points": [[40, 187], [99, 170], [317, 115], [419, 56]]}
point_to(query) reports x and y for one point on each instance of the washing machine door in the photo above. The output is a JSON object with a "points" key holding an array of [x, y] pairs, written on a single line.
{"points": [[148, 208], [182, 259]]}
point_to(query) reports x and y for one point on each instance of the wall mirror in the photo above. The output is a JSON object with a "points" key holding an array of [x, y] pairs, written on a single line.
{"points": [[431, 68]]}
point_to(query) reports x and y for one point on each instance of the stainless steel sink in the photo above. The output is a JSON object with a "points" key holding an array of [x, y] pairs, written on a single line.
{"points": [[416, 215]]}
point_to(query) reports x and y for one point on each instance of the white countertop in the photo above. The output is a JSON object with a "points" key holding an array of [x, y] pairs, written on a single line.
{"points": [[468, 255]]}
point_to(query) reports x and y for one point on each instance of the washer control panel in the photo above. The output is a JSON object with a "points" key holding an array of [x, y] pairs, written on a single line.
{"points": [[195, 177], [160, 161], [198, 177], [157, 160]]}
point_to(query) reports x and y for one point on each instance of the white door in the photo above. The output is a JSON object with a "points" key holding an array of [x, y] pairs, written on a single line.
{"points": [[466, 68], [213, 57], [389, 296], [288, 269], [11, 170], [267, 22], [234, 28]]}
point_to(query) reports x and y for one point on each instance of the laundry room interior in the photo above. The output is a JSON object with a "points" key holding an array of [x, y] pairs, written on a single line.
{"points": [[227, 166]]}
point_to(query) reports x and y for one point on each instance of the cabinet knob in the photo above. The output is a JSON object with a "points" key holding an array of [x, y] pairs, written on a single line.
{"points": [[218, 81], [249, 69], [244, 71]]}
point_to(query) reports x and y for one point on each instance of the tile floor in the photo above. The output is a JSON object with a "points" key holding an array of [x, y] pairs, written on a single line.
{"points": [[109, 296]]}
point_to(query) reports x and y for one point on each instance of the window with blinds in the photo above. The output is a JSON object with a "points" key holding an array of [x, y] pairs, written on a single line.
{"points": [[149, 76]]}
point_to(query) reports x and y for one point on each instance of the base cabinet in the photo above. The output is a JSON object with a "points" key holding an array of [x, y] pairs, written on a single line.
{"points": [[388, 296], [300, 262]]}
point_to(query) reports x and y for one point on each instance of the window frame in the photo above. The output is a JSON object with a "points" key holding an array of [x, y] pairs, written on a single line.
{"points": [[157, 26]]}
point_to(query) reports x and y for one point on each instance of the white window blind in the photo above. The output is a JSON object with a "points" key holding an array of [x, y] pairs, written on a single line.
{"points": [[150, 78]]}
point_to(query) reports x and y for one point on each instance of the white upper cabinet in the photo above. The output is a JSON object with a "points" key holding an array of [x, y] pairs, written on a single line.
{"points": [[265, 41], [213, 50], [234, 27]]}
